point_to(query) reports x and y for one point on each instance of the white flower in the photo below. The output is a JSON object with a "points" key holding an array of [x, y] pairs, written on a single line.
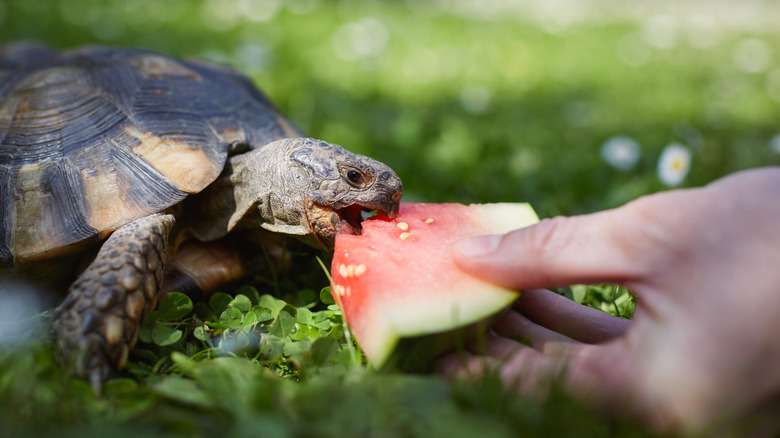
{"points": [[674, 164], [620, 152]]}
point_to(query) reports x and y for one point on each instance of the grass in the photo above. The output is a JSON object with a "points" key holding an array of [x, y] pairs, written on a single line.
{"points": [[513, 107]]}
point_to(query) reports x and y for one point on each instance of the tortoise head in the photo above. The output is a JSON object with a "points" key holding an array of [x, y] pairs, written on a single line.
{"points": [[311, 189]]}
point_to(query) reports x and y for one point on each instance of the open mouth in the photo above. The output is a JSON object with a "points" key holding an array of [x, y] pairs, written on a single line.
{"points": [[328, 222], [352, 217]]}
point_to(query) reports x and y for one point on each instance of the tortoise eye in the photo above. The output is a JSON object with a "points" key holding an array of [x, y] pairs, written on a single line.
{"points": [[355, 177]]}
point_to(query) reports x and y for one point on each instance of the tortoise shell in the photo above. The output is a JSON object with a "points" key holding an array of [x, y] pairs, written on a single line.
{"points": [[94, 138]]}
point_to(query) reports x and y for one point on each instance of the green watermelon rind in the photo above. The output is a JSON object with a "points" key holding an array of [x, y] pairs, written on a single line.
{"points": [[415, 353], [438, 330]]}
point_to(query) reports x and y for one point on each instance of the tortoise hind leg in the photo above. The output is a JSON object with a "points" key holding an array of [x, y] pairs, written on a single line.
{"points": [[98, 322], [201, 268]]}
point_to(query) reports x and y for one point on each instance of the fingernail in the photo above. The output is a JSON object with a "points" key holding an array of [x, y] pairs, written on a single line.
{"points": [[477, 246]]}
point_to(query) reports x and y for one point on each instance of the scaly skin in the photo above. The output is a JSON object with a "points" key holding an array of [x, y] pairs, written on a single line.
{"points": [[97, 324]]}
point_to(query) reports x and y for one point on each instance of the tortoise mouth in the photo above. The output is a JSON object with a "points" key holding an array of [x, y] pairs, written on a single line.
{"points": [[327, 222], [352, 217]]}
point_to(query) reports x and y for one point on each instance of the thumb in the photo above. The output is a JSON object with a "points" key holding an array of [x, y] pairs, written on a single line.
{"points": [[597, 248]]}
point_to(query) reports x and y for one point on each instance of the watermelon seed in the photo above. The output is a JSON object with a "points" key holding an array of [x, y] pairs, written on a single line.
{"points": [[429, 220], [405, 236], [343, 271], [360, 270], [350, 270], [403, 225]]}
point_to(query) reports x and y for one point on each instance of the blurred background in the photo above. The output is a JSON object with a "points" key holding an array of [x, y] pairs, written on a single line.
{"points": [[572, 105]]}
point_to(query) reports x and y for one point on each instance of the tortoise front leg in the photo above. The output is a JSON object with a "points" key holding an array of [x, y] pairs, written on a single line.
{"points": [[97, 324]]}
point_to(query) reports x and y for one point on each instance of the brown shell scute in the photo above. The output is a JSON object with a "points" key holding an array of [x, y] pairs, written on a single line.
{"points": [[50, 208], [94, 138], [152, 65]]}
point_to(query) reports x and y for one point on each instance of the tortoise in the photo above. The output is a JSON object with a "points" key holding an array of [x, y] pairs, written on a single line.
{"points": [[126, 173]]}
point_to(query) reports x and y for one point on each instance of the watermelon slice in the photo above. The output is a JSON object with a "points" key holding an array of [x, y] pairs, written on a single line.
{"points": [[397, 279]]}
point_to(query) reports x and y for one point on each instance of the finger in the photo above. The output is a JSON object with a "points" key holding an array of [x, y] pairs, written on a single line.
{"points": [[603, 375], [513, 324], [462, 364], [609, 378], [564, 316], [604, 247], [525, 370], [499, 347]]}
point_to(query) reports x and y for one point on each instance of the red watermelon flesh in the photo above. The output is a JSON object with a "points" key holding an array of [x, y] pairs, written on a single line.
{"points": [[397, 278]]}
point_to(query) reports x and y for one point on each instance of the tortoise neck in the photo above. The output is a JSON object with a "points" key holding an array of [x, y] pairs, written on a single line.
{"points": [[254, 190]]}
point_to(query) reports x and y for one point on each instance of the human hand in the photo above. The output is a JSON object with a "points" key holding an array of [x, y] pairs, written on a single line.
{"points": [[705, 265]]}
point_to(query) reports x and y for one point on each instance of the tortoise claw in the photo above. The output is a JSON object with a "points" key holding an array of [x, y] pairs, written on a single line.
{"points": [[93, 365], [98, 373]]}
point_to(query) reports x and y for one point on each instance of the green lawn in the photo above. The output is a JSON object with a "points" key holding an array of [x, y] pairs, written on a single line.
{"points": [[467, 106]]}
